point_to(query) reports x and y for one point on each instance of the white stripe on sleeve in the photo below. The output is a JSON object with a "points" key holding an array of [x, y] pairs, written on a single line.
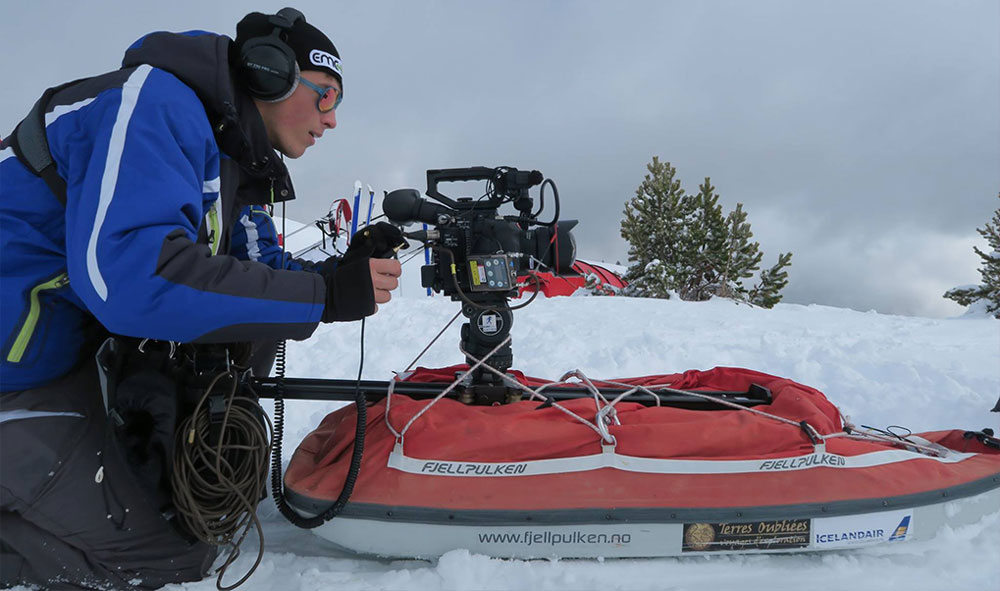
{"points": [[212, 186], [61, 110], [253, 248], [130, 96]]}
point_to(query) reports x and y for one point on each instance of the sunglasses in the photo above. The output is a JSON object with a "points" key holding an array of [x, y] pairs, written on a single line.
{"points": [[329, 97]]}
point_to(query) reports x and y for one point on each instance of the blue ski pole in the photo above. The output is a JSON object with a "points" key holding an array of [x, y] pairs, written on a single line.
{"points": [[357, 206]]}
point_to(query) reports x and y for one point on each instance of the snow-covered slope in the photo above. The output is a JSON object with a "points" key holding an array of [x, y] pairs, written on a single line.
{"points": [[918, 373], [881, 370]]}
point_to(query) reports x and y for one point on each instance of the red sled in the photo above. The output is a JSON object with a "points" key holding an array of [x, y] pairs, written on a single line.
{"points": [[590, 477]]}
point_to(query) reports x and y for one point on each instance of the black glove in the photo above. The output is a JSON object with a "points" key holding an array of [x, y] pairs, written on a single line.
{"points": [[379, 241], [349, 292]]}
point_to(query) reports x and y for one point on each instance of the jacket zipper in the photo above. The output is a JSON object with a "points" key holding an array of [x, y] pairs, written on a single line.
{"points": [[214, 232], [34, 311]]}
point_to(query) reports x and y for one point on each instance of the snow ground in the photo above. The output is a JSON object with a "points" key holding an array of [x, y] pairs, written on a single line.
{"points": [[921, 373], [881, 370]]}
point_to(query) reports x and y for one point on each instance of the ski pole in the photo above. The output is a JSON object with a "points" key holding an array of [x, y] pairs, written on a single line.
{"points": [[371, 201], [357, 206], [427, 261]]}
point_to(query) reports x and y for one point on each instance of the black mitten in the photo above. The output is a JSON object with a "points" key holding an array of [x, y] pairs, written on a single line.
{"points": [[349, 292]]}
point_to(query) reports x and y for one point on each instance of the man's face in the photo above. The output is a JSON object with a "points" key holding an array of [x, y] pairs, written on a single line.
{"points": [[294, 123]]}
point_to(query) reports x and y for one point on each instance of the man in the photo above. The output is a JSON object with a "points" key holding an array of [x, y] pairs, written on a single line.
{"points": [[148, 220]]}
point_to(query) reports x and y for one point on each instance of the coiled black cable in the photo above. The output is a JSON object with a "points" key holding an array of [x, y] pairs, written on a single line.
{"points": [[220, 471], [277, 482], [277, 474]]}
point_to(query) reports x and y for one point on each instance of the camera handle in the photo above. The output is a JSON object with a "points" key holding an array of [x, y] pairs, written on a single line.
{"points": [[450, 175]]}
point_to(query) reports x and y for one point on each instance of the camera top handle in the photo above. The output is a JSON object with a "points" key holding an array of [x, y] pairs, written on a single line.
{"points": [[504, 184], [448, 175]]}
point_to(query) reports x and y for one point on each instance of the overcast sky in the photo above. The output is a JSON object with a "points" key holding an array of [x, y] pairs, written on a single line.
{"points": [[863, 136]]}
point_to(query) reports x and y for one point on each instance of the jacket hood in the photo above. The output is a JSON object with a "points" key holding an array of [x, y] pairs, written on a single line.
{"points": [[200, 60]]}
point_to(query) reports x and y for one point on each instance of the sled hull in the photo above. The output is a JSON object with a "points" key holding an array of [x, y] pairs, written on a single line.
{"points": [[393, 533]]}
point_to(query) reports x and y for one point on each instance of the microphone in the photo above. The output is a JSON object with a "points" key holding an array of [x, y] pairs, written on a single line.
{"points": [[516, 182]]}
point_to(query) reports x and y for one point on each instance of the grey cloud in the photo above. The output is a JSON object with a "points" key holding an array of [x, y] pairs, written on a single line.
{"points": [[841, 126]]}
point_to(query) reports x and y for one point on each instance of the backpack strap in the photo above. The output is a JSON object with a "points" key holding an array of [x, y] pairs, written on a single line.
{"points": [[31, 146]]}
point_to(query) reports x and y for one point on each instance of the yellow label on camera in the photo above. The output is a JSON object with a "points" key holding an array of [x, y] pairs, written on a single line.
{"points": [[478, 273]]}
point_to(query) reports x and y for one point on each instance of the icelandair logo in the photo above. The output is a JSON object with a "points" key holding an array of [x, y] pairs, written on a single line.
{"points": [[851, 536], [861, 530], [900, 534]]}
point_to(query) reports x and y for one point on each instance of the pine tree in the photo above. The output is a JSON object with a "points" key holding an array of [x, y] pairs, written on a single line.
{"points": [[655, 223], [708, 237], [988, 292], [767, 293], [742, 256], [684, 244]]}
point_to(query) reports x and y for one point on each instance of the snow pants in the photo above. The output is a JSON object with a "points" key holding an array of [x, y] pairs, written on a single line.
{"points": [[74, 511]]}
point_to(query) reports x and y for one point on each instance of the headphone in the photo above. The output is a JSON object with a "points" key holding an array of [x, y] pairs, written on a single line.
{"points": [[268, 63]]}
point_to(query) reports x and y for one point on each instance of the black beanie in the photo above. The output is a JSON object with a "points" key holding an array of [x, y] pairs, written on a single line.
{"points": [[313, 50]]}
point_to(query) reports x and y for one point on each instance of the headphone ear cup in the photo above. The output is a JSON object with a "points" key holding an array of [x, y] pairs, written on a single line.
{"points": [[269, 68]]}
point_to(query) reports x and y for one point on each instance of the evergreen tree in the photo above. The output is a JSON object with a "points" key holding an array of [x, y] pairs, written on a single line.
{"points": [[767, 293], [988, 292], [742, 256], [685, 244], [707, 237], [655, 223]]}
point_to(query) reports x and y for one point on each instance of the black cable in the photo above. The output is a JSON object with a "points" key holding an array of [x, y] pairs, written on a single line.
{"points": [[541, 199], [277, 483], [413, 255], [534, 294], [541, 202], [468, 212], [277, 480], [888, 432], [220, 470], [465, 298], [279, 430]]}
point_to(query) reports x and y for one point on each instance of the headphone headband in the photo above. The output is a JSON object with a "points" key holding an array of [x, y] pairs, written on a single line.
{"points": [[286, 18]]}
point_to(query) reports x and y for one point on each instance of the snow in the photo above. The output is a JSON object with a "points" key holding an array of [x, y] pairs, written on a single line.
{"points": [[924, 374]]}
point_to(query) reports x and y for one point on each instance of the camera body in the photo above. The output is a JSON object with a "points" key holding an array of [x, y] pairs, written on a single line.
{"points": [[486, 258], [478, 255], [488, 251]]}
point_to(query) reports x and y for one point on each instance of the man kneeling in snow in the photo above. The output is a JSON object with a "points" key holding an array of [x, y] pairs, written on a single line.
{"points": [[135, 204]]}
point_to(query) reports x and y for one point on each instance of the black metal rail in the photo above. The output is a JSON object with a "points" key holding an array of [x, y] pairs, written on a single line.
{"points": [[343, 391]]}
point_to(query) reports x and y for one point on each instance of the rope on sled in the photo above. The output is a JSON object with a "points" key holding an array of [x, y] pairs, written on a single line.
{"points": [[452, 386], [606, 414], [853, 432]]}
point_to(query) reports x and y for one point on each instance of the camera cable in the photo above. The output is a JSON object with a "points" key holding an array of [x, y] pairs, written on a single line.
{"points": [[277, 473], [220, 468]]}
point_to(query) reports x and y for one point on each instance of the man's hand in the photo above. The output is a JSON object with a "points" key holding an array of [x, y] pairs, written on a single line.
{"points": [[385, 273], [356, 285]]}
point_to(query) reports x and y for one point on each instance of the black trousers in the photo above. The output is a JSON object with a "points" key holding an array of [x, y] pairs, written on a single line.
{"points": [[73, 514]]}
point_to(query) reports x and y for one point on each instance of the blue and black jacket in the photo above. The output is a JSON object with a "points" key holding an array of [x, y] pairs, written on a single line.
{"points": [[164, 234]]}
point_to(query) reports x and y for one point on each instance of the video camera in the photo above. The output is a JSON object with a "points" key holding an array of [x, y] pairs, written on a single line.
{"points": [[479, 254]]}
